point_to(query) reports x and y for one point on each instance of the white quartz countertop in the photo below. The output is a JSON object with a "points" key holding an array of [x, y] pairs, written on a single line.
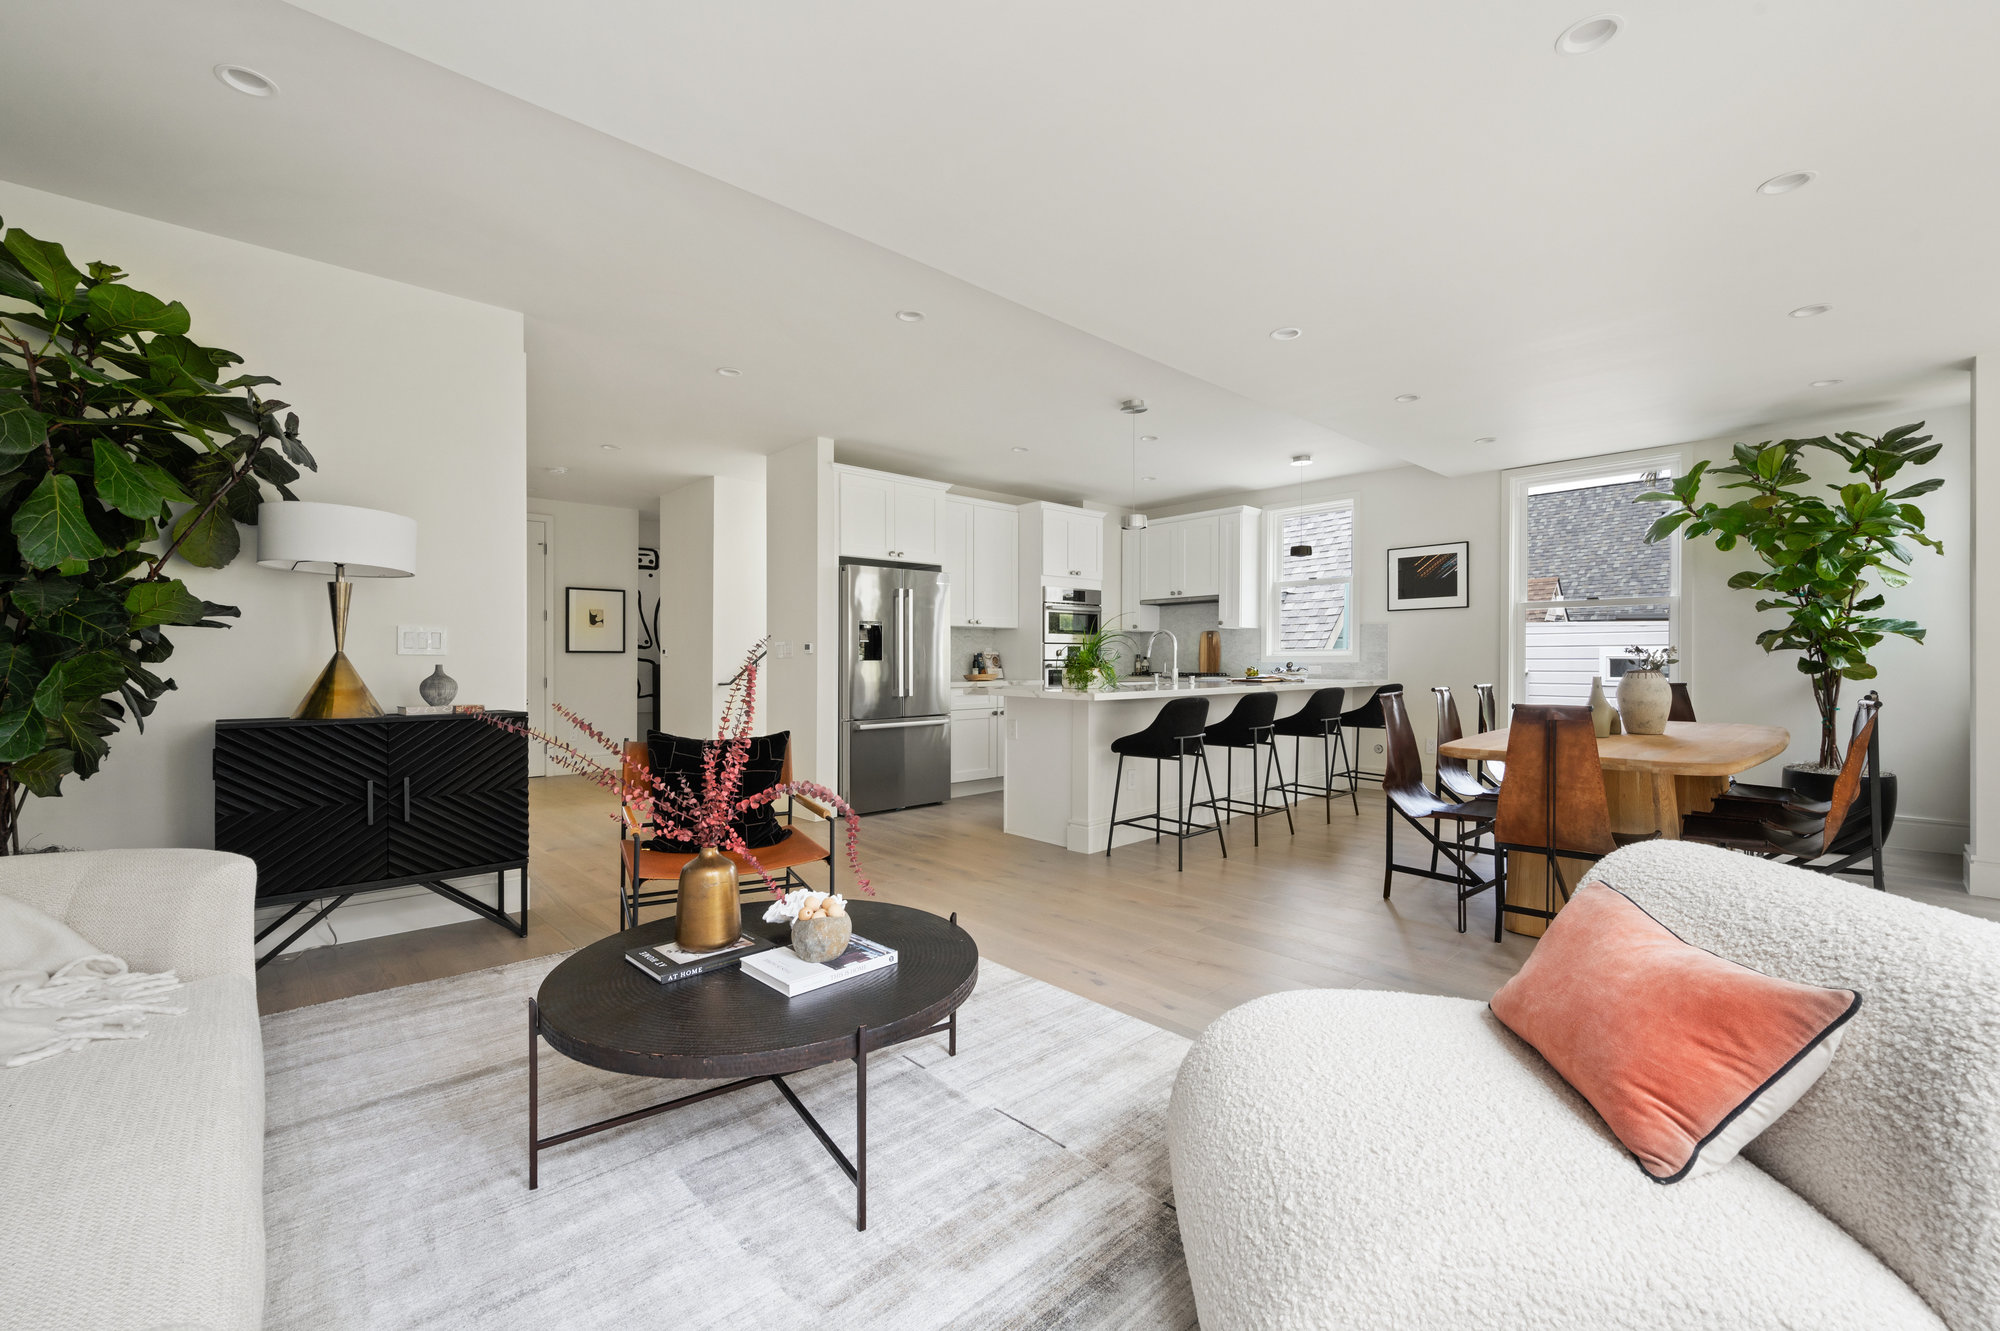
{"points": [[1155, 694]]}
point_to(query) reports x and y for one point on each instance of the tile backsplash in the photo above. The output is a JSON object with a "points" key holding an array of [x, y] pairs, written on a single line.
{"points": [[1242, 648], [965, 642]]}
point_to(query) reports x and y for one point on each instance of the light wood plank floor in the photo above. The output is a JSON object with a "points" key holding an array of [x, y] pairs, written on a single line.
{"points": [[1174, 949]]}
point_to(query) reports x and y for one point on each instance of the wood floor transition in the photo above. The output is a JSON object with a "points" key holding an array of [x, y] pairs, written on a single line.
{"points": [[1176, 949]]}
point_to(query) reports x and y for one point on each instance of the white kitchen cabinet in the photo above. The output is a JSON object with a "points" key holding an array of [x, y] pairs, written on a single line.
{"points": [[982, 555], [978, 738], [1212, 556], [1072, 541], [884, 516]]}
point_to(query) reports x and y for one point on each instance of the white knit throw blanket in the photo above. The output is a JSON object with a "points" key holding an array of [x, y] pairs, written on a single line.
{"points": [[58, 992]]}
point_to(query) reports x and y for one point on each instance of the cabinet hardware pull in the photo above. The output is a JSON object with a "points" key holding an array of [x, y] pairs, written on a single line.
{"points": [[371, 802], [406, 799]]}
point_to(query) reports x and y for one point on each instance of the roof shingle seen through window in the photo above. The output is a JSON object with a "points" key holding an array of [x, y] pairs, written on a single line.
{"points": [[1310, 618], [1593, 541]]}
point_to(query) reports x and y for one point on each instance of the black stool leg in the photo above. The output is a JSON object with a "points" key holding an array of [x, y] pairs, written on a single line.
{"points": [[1112, 830], [1208, 775], [1284, 796], [1159, 809], [1180, 818]]}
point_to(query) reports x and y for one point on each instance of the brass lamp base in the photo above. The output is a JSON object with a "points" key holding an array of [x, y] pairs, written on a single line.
{"points": [[337, 692]]}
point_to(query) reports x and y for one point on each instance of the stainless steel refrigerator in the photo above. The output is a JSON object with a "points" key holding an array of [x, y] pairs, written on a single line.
{"points": [[895, 708]]}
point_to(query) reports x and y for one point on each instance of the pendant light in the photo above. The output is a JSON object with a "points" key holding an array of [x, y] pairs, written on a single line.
{"points": [[1134, 407]]}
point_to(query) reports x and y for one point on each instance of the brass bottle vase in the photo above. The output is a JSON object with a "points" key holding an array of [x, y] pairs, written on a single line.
{"points": [[708, 916]]}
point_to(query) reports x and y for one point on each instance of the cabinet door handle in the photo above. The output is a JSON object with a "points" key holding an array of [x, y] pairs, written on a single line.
{"points": [[406, 799], [371, 802]]}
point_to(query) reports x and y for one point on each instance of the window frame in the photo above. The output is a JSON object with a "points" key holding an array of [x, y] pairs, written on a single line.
{"points": [[1274, 532], [1516, 483]]}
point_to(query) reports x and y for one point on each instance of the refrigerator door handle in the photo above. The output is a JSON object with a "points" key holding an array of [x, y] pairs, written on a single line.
{"points": [[902, 725], [903, 639]]}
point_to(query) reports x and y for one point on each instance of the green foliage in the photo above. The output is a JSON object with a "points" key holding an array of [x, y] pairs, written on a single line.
{"points": [[1820, 558], [1094, 660], [121, 445]]}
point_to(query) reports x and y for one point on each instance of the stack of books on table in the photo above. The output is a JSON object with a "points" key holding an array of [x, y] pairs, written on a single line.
{"points": [[782, 970], [667, 961]]}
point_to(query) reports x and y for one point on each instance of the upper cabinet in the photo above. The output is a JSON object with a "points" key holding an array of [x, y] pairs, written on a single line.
{"points": [[1072, 541], [1210, 556], [982, 556], [883, 516]]}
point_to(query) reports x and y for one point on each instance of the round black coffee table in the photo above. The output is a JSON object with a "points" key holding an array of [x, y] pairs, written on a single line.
{"points": [[599, 1009]]}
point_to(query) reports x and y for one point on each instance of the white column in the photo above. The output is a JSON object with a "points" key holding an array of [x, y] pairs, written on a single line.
{"points": [[802, 606], [1982, 852], [712, 592]]}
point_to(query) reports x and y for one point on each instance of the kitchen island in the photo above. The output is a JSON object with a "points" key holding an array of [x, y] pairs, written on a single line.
{"points": [[1060, 767]]}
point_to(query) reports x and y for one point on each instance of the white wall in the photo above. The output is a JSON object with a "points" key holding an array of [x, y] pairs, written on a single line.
{"points": [[712, 592], [411, 401], [594, 546], [1982, 851], [802, 580]]}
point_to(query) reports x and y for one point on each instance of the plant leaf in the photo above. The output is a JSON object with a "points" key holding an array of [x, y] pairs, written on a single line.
{"points": [[22, 732], [40, 598], [168, 602], [208, 538], [42, 773], [45, 261], [120, 484], [22, 428], [50, 525], [117, 308]]}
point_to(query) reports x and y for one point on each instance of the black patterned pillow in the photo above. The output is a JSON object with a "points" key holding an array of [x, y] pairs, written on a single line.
{"points": [[675, 758]]}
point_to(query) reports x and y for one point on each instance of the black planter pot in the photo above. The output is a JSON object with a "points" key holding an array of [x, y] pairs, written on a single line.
{"points": [[1855, 833]]}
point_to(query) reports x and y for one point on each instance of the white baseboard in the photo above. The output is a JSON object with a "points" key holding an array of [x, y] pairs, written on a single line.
{"points": [[1982, 875], [1943, 836], [987, 786]]}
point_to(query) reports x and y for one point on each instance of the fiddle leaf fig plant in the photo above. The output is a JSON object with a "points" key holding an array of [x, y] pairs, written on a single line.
{"points": [[1823, 559], [122, 445]]}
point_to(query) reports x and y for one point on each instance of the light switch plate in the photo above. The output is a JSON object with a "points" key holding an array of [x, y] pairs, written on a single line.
{"points": [[421, 640]]}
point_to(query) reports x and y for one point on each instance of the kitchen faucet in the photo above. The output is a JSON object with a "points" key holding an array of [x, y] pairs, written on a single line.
{"points": [[1174, 675]]}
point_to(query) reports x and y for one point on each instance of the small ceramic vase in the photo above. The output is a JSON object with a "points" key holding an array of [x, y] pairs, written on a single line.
{"points": [[821, 939], [1644, 699], [438, 688], [1601, 715], [708, 915]]}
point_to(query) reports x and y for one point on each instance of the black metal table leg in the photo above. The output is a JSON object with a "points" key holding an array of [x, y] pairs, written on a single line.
{"points": [[534, 1130], [861, 1127]]}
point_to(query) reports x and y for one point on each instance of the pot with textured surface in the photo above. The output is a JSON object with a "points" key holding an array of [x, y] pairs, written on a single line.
{"points": [[1644, 699], [708, 915]]}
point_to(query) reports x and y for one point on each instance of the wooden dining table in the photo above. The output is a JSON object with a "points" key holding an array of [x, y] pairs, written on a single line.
{"points": [[1650, 783]]}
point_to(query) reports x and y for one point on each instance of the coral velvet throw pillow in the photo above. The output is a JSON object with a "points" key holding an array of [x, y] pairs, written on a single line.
{"points": [[1685, 1055]]}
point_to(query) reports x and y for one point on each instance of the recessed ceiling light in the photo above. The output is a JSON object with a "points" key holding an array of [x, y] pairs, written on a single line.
{"points": [[910, 316], [556, 471], [1485, 439], [1287, 334], [1302, 459], [1149, 478], [1788, 182], [247, 81], [1019, 449], [1149, 439], [1589, 34], [1406, 397], [1810, 311], [728, 371], [1823, 383]]}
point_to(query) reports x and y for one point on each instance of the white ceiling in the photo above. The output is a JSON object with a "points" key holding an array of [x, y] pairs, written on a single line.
{"points": [[1088, 201]]}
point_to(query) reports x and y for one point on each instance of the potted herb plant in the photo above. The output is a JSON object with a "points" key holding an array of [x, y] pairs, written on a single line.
{"points": [[1824, 563], [123, 444], [1092, 662]]}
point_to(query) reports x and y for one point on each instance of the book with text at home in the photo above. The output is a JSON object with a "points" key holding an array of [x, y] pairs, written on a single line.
{"points": [[666, 961], [782, 970]]}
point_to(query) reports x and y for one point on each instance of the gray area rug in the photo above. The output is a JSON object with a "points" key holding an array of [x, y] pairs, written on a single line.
{"points": [[1022, 1184]]}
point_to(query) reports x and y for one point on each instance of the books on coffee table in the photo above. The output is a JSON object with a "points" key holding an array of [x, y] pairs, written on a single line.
{"points": [[666, 961], [782, 970]]}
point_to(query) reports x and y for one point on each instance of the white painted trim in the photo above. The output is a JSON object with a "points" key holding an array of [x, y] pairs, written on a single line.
{"points": [[539, 719], [1944, 836], [1273, 531]]}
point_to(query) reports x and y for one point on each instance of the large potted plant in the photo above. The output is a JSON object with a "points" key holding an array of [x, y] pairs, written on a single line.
{"points": [[1824, 562], [122, 446]]}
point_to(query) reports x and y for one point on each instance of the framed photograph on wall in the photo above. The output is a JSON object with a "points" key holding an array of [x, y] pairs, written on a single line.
{"points": [[1428, 577], [596, 620]]}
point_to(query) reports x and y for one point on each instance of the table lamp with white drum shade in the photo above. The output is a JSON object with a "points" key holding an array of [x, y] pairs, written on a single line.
{"points": [[345, 542]]}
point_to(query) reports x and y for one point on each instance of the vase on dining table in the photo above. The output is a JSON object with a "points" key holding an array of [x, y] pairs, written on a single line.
{"points": [[1644, 700], [1601, 714]]}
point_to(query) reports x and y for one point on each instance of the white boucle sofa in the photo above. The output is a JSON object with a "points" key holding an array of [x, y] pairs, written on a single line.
{"points": [[1357, 1159], [132, 1171]]}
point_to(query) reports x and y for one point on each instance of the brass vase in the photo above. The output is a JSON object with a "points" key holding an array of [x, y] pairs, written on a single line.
{"points": [[708, 916]]}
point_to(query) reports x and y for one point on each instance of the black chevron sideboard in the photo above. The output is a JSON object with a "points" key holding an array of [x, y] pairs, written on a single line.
{"points": [[333, 809]]}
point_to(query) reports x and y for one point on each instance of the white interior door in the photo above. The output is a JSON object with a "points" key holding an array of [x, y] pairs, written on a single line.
{"points": [[538, 626]]}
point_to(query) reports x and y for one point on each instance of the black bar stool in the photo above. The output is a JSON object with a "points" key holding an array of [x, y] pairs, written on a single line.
{"points": [[1319, 719], [1368, 716], [1176, 733], [1250, 725]]}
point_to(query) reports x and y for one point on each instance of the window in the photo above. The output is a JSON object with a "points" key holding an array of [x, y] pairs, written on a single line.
{"points": [[1587, 588], [1311, 554]]}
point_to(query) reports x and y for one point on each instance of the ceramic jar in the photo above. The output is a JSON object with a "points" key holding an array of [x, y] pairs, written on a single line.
{"points": [[1601, 714], [1644, 699], [708, 915], [822, 938], [438, 688]]}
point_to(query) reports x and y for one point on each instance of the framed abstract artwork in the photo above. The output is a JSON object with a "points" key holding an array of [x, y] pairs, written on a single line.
{"points": [[1428, 577], [595, 620]]}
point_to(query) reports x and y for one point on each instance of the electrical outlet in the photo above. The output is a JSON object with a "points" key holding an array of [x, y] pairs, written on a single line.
{"points": [[806, 647], [419, 640]]}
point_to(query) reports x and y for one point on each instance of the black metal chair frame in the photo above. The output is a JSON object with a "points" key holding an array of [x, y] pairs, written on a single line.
{"points": [[1256, 810], [631, 895], [1182, 826], [1332, 737], [1465, 880], [1353, 771], [1845, 861]]}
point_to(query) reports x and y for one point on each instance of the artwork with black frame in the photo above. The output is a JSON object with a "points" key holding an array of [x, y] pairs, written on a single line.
{"points": [[1429, 577], [594, 619]]}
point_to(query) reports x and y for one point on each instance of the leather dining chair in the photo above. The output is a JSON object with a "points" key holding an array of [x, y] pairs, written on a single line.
{"points": [[1487, 719], [1455, 779], [1552, 803], [1406, 797]]}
